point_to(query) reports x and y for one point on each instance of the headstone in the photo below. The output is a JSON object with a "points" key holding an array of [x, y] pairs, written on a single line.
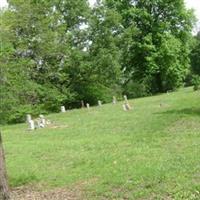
{"points": [[63, 109], [82, 104], [128, 107], [42, 125], [37, 123], [48, 122], [28, 118], [42, 120], [124, 107], [114, 100], [88, 106], [99, 103], [31, 125], [125, 99]]}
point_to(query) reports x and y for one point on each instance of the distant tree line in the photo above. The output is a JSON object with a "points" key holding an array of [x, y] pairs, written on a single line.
{"points": [[59, 52]]}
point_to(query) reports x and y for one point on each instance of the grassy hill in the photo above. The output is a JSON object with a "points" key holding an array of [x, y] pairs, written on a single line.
{"points": [[150, 152]]}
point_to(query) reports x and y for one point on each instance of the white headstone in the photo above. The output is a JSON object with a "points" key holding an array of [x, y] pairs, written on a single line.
{"points": [[88, 105], [42, 125], [99, 103], [63, 109], [48, 122], [114, 100], [82, 104], [37, 123], [28, 117], [125, 98], [31, 125], [128, 107], [42, 121], [124, 107]]}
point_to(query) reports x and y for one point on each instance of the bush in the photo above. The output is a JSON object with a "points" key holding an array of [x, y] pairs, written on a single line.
{"points": [[196, 82], [135, 90], [19, 114], [94, 92]]}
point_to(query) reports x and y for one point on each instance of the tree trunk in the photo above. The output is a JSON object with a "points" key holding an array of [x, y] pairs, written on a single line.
{"points": [[4, 191]]}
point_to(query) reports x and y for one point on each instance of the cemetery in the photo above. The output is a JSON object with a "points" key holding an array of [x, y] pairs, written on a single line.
{"points": [[99, 99], [147, 151]]}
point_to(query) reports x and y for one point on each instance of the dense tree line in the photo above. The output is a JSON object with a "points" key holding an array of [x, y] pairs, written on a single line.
{"points": [[59, 52]]}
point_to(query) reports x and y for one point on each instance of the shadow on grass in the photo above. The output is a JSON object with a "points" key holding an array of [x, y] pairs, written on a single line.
{"points": [[182, 112], [23, 180]]}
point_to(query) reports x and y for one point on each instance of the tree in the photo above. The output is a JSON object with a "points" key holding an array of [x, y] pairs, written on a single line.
{"points": [[60, 52], [153, 34], [195, 55], [4, 191], [42, 55]]}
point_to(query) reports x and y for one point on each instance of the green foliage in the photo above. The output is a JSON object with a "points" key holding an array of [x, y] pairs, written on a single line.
{"points": [[60, 52], [195, 55], [196, 82], [135, 89]]}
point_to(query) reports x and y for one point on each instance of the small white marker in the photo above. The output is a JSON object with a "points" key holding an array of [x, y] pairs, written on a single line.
{"points": [[63, 109]]}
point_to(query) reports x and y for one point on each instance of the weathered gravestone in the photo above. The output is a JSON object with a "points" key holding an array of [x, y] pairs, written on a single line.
{"points": [[4, 191], [42, 120], [128, 107], [31, 125], [124, 107], [114, 100], [82, 104], [125, 99], [99, 103], [88, 106], [63, 109], [28, 117]]}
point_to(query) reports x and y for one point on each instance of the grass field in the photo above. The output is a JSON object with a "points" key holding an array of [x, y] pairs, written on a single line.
{"points": [[150, 152]]}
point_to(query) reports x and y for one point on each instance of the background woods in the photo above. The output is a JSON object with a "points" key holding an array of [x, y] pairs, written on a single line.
{"points": [[61, 52]]}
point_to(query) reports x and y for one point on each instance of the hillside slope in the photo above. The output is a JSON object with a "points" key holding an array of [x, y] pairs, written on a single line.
{"points": [[150, 152]]}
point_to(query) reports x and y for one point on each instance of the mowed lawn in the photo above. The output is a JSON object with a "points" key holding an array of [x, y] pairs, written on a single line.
{"points": [[150, 152]]}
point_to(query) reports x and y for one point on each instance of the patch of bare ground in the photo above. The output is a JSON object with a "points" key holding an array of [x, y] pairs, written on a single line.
{"points": [[37, 193], [56, 194]]}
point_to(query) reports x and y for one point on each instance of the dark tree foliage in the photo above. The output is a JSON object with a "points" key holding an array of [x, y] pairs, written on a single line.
{"points": [[60, 52], [195, 55]]}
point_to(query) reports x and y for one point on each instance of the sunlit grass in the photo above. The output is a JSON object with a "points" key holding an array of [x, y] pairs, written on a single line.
{"points": [[150, 152]]}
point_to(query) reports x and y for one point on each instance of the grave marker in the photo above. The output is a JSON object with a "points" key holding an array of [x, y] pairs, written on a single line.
{"points": [[125, 99], [28, 118], [128, 107], [124, 107], [99, 103], [63, 109], [114, 100], [31, 125], [82, 104], [42, 120], [88, 106]]}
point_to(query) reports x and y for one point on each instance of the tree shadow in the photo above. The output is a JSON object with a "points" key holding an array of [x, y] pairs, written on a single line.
{"points": [[182, 112]]}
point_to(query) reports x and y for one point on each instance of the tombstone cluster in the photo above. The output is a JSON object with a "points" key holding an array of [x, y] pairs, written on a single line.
{"points": [[126, 106], [39, 122]]}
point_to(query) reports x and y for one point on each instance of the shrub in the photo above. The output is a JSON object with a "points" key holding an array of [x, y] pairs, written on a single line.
{"points": [[135, 90], [196, 82]]}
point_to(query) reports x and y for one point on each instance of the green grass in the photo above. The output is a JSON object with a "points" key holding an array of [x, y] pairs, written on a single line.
{"points": [[150, 152]]}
